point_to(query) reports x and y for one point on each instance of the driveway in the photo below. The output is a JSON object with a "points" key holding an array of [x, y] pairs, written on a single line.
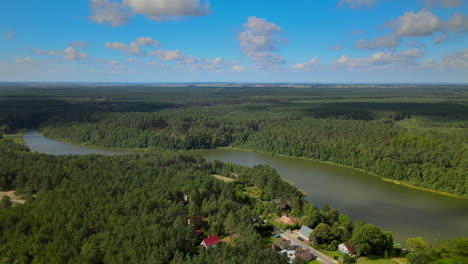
{"points": [[294, 241]]}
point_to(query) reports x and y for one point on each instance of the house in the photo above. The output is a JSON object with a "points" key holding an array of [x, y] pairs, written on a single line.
{"points": [[290, 253], [289, 220], [305, 232], [304, 254], [346, 248], [211, 241]]}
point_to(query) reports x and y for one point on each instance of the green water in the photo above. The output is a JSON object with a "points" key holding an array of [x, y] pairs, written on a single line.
{"points": [[405, 211]]}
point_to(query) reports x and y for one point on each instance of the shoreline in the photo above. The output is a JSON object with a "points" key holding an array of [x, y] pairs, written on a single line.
{"points": [[349, 167], [263, 152]]}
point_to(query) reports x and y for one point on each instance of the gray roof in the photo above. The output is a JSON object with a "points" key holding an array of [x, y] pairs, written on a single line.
{"points": [[305, 231]]}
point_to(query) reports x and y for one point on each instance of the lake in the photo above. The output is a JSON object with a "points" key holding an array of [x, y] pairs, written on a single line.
{"points": [[405, 211], [37, 142]]}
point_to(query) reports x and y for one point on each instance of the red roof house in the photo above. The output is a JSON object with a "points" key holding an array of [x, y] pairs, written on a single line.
{"points": [[289, 220], [211, 241]]}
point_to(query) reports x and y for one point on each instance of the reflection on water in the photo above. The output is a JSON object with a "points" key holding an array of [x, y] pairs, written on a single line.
{"points": [[404, 211], [36, 142]]}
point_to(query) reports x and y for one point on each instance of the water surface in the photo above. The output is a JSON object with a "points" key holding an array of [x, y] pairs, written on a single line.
{"points": [[405, 211], [37, 142]]}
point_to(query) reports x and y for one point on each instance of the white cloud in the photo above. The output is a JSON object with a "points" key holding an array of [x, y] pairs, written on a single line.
{"points": [[78, 44], [134, 48], [440, 38], [419, 24], [259, 40], [356, 4], [113, 13], [443, 3], [117, 13], [387, 41], [458, 23], [380, 60], [238, 68], [27, 61], [68, 54], [456, 59], [168, 9], [169, 55], [312, 64]]}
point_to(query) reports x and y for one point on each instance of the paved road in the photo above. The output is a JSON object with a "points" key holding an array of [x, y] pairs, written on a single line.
{"points": [[294, 241]]}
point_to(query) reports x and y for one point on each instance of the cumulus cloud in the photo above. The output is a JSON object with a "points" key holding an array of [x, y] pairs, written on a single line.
{"points": [[168, 9], [381, 60], [26, 61], [113, 13], [458, 23], [387, 41], [356, 4], [259, 41], [419, 24], [440, 38], [68, 54], [443, 3], [169, 55], [310, 65], [117, 13], [238, 68], [134, 48], [78, 44], [456, 59]]}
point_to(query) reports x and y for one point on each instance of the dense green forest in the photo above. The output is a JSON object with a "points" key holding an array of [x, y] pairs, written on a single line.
{"points": [[132, 209], [416, 135], [135, 208]]}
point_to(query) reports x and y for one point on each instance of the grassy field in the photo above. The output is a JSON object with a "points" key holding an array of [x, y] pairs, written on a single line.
{"points": [[376, 260], [17, 136]]}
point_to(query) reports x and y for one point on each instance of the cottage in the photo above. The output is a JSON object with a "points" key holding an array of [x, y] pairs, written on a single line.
{"points": [[346, 248], [289, 220], [290, 253], [304, 254], [211, 241], [305, 232]]}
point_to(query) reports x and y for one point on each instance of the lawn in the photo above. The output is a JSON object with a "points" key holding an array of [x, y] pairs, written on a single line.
{"points": [[377, 260]]}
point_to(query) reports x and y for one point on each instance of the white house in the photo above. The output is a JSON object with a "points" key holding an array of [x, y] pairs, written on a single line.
{"points": [[346, 248], [305, 232]]}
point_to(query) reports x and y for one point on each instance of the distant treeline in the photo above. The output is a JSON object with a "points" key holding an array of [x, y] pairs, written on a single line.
{"points": [[414, 135]]}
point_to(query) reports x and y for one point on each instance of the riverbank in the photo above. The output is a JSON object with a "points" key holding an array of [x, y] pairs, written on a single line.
{"points": [[135, 150], [349, 167], [90, 145]]}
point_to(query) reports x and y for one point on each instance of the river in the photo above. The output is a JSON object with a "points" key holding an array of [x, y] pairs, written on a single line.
{"points": [[405, 211]]}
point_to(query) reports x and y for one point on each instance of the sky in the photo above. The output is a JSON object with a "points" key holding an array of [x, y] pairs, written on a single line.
{"points": [[300, 41]]}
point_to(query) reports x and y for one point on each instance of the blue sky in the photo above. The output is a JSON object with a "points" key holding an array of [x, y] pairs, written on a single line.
{"points": [[331, 41]]}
